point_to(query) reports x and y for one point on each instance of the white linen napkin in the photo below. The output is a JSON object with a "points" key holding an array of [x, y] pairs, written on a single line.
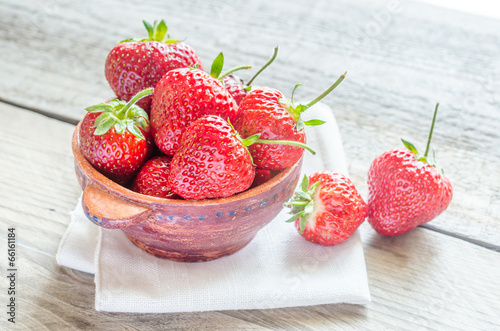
{"points": [[277, 269]]}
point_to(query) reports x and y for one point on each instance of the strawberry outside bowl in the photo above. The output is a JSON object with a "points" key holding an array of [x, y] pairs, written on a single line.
{"points": [[182, 230]]}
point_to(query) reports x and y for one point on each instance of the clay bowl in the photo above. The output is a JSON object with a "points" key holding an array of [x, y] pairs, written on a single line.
{"points": [[182, 230]]}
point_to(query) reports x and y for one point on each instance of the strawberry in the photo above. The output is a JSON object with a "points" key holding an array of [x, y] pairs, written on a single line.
{"points": [[152, 178], [261, 176], [136, 64], [237, 87], [182, 96], [406, 189], [115, 137], [265, 111], [211, 162], [327, 208]]}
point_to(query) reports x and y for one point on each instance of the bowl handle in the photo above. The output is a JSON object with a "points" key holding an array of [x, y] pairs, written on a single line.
{"points": [[111, 212]]}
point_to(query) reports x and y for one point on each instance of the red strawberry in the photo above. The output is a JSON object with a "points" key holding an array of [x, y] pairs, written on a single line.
{"points": [[182, 96], [136, 64], [237, 87], [406, 189], [152, 178], [327, 208], [261, 176], [265, 111], [211, 162], [115, 137]]}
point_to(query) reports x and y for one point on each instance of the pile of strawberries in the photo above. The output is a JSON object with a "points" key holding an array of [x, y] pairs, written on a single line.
{"points": [[176, 131]]}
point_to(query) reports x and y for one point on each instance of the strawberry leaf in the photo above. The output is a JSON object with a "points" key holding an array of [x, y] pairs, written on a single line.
{"points": [[141, 122], [298, 203], [102, 107], [309, 208], [105, 125], [149, 28], [120, 126], [286, 103], [303, 222], [293, 218], [431, 160], [115, 102], [129, 39], [156, 32], [410, 146], [132, 128], [104, 116], [160, 30], [217, 65], [304, 195], [137, 112], [305, 183], [312, 189], [300, 124], [314, 122]]}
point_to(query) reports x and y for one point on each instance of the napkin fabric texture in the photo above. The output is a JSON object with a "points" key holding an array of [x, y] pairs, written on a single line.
{"points": [[277, 269]]}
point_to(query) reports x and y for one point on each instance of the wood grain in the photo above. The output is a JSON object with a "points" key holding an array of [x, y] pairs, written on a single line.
{"points": [[401, 58], [420, 280]]}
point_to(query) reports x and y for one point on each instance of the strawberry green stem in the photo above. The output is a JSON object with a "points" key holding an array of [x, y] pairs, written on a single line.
{"points": [[230, 71], [328, 90], [275, 53], [432, 129], [135, 98], [287, 142], [293, 93]]}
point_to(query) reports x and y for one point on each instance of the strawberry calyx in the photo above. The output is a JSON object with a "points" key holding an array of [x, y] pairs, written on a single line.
{"points": [[302, 202], [121, 115], [156, 32], [426, 158], [296, 109], [218, 64]]}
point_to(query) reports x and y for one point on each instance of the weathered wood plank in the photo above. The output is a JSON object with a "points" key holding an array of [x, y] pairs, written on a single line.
{"points": [[401, 58], [422, 279]]}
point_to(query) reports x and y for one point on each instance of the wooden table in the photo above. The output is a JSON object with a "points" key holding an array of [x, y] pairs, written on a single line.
{"points": [[401, 58]]}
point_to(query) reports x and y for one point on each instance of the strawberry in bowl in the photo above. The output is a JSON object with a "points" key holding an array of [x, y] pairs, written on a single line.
{"points": [[115, 137], [212, 170], [184, 95], [265, 111], [139, 63]]}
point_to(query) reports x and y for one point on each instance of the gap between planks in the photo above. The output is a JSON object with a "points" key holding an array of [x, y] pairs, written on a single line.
{"points": [[66, 119], [45, 113]]}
